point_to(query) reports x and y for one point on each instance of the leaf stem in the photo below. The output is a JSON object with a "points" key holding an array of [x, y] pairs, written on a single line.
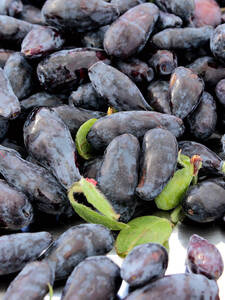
{"points": [[51, 292]]}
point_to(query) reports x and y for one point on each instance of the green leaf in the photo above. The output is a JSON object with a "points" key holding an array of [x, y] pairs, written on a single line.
{"points": [[50, 291], [177, 214], [223, 167], [84, 149], [173, 216], [162, 214], [97, 199], [91, 216], [167, 246], [174, 191], [148, 229], [183, 160]]}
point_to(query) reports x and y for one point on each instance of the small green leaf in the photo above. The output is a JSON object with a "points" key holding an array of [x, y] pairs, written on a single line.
{"points": [[183, 160], [97, 199], [175, 190], [84, 149], [50, 291], [223, 167], [167, 246], [162, 214], [148, 229], [94, 197], [177, 215], [91, 216]]}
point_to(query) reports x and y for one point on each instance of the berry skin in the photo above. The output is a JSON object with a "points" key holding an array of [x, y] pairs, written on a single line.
{"points": [[204, 258], [144, 263]]}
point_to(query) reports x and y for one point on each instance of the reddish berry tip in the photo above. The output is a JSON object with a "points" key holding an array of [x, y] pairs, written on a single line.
{"points": [[91, 180]]}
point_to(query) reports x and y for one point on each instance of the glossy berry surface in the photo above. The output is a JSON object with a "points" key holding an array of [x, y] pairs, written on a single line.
{"points": [[204, 258], [77, 243], [204, 202], [144, 263], [159, 145], [32, 282], [103, 280], [179, 286], [18, 249]]}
